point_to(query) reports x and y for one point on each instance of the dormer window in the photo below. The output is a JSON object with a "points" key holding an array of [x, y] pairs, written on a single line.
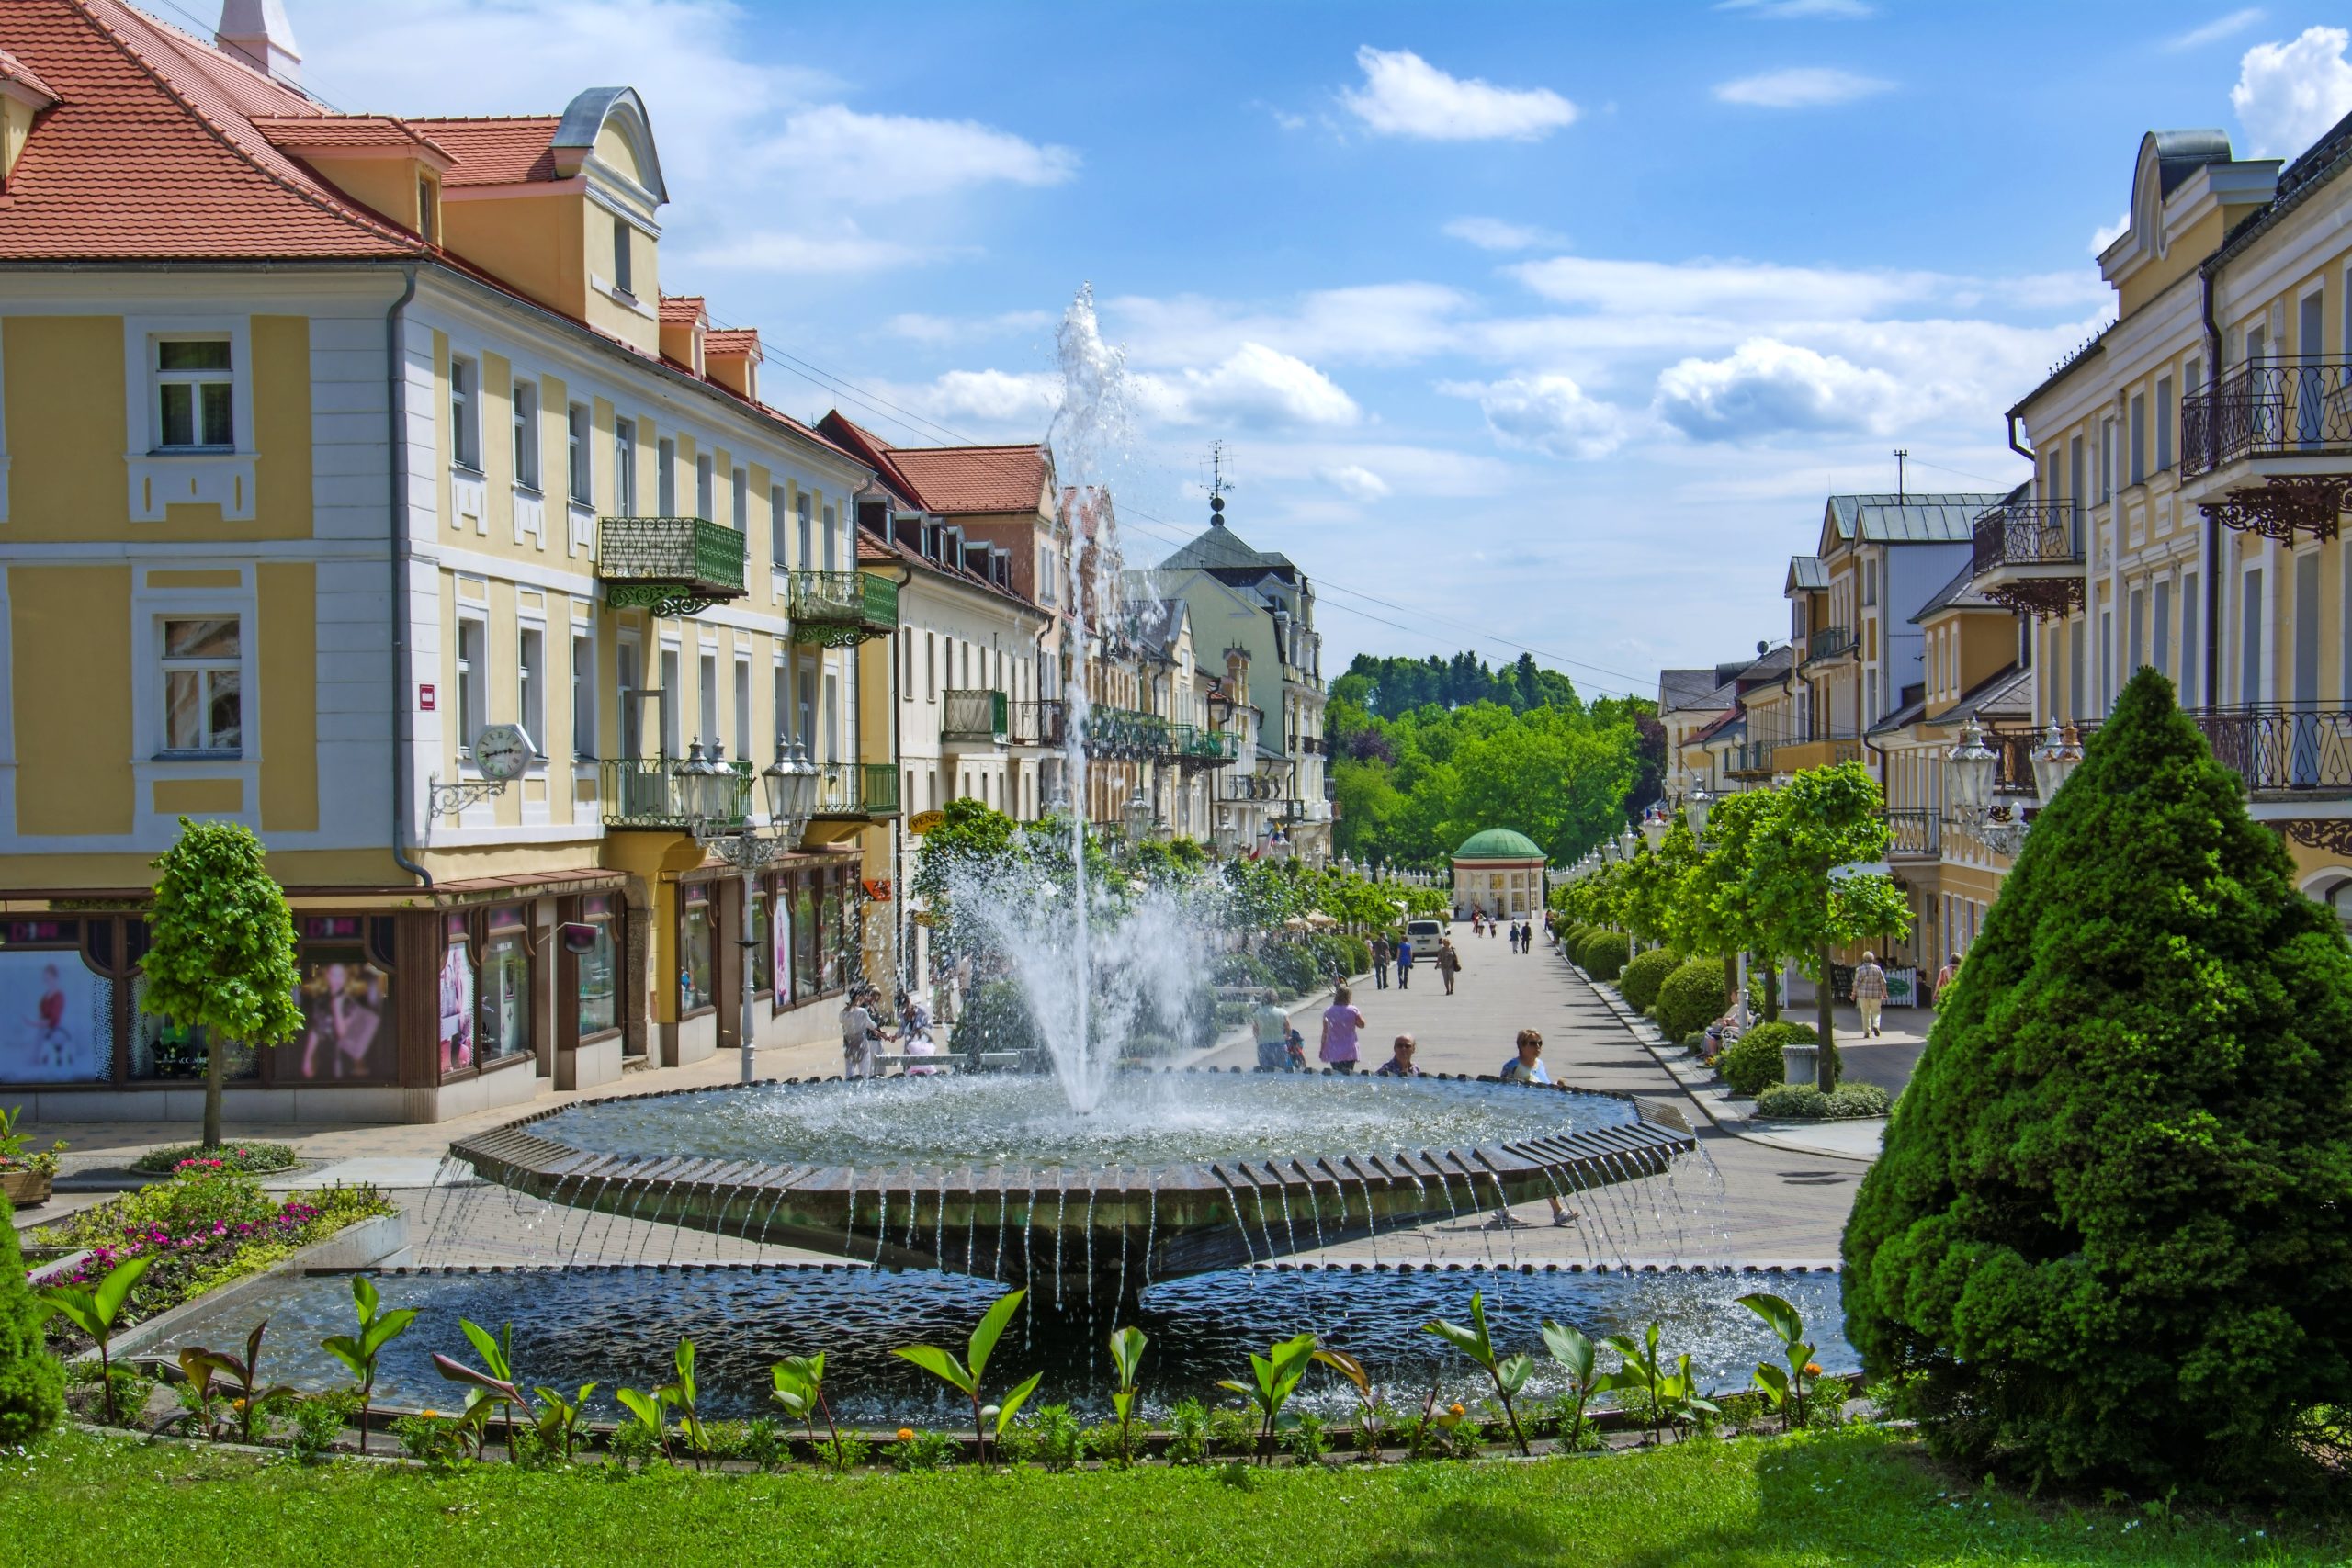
{"points": [[196, 395], [624, 275], [428, 209]]}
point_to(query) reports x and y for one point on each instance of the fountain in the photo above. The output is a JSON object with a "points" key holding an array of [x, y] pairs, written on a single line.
{"points": [[1097, 1182]]}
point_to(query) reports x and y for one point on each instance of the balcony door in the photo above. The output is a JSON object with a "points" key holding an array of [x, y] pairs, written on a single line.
{"points": [[2310, 725], [2311, 375]]}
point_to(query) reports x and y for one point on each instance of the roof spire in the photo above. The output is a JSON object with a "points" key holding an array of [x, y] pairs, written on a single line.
{"points": [[1217, 485], [257, 32]]}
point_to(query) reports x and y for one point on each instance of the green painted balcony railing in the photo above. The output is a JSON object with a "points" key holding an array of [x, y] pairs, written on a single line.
{"points": [[647, 793], [835, 608], [673, 566], [866, 789], [974, 718]]}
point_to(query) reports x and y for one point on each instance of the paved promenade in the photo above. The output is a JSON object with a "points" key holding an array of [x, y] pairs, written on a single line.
{"points": [[1748, 1203]]}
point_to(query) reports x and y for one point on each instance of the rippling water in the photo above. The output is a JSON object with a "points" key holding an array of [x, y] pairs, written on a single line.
{"points": [[618, 1326], [1148, 1119]]}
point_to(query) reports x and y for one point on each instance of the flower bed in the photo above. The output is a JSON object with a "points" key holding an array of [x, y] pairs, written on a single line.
{"points": [[203, 1229], [250, 1158]]}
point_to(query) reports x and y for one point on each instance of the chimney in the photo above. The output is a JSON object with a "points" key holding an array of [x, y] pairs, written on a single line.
{"points": [[258, 32]]}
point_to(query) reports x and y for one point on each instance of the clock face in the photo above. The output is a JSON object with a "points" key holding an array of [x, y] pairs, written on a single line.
{"points": [[502, 751]]}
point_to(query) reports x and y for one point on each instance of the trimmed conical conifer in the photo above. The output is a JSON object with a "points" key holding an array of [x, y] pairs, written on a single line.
{"points": [[2112, 1226], [32, 1383]]}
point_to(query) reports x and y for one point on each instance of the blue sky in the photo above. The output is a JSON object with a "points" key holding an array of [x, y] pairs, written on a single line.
{"points": [[1541, 326]]}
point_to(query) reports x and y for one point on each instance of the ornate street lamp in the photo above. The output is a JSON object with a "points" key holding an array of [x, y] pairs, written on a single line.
{"points": [[1139, 817], [2055, 760], [705, 786], [1969, 771], [1625, 842], [1655, 823], [707, 789], [1695, 807]]}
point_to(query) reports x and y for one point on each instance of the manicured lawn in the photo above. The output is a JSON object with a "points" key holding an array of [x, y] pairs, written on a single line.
{"points": [[1856, 1496]]}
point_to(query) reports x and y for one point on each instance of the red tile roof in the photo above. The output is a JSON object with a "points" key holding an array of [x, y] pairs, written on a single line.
{"points": [[16, 70], [500, 151], [150, 149], [299, 133], [730, 342], [682, 310], [951, 479]]}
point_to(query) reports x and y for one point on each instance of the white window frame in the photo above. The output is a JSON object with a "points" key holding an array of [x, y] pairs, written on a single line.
{"points": [[665, 482], [471, 675], [163, 379], [583, 693], [705, 487], [707, 697], [778, 560], [580, 434], [465, 412], [624, 257], [523, 406], [738, 499], [160, 477], [804, 514], [832, 537], [166, 666], [624, 467], [531, 684], [743, 707]]}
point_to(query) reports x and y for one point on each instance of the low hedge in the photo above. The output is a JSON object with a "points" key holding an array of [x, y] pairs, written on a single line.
{"points": [[1751, 1063], [1803, 1102], [1642, 977], [1691, 996], [252, 1158], [1242, 969], [1603, 955]]}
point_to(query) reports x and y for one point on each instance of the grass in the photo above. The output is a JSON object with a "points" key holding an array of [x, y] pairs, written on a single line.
{"points": [[1858, 1495]]}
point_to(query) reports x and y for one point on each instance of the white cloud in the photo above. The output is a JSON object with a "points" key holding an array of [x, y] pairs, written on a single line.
{"points": [[1800, 10], [1767, 388], [894, 157], [1801, 88], [1496, 234], [1356, 482], [1548, 414], [1404, 95], [2289, 94], [1725, 288], [995, 397], [2107, 234], [1254, 385], [916, 327], [2215, 30], [1373, 323]]}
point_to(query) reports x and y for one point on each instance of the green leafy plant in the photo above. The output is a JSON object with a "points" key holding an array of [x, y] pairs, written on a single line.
{"points": [[1691, 996], [1127, 1360], [1803, 1102], [650, 1423], [358, 1352], [1789, 1387], [1643, 973], [916, 1452], [319, 1420], [844, 1451], [32, 1383], [1370, 1412], [1752, 1064], [15, 1156], [1509, 1373], [244, 1374], [248, 1157], [1604, 954], [1572, 1348], [496, 1382], [559, 1421], [964, 1375], [1233, 1429], [682, 1394], [798, 1387], [222, 950], [1273, 1378], [437, 1440], [1306, 1439], [1056, 1439], [96, 1311], [1668, 1391], [1188, 1432], [764, 1443]]}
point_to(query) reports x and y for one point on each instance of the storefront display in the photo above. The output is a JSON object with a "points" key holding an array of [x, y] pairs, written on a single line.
{"points": [[504, 1014], [56, 1017], [457, 997], [697, 944], [598, 967]]}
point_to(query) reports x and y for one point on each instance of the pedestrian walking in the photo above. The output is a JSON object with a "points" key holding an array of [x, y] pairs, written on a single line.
{"points": [[1381, 953], [1405, 964], [859, 1035], [1400, 1061], [1270, 1027], [1526, 1065], [1945, 976], [1869, 993], [1341, 1023], [1449, 963], [1478, 920]]}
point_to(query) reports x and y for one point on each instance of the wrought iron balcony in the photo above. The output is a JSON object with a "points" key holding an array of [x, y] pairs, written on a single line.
{"points": [[2281, 750], [835, 609], [1255, 787], [647, 793], [1039, 722], [1820, 751], [2028, 556], [1913, 834], [1749, 759], [1121, 733], [1828, 642], [858, 792], [974, 718], [2275, 409], [1195, 748], [671, 566]]}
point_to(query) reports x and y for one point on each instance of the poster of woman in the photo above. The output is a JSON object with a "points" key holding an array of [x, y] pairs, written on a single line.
{"points": [[343, 999], [780, 939], [50, 1029], [457, 1006]]}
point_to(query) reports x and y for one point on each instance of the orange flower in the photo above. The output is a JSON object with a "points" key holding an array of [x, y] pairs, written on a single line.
{"points": [[430, 1414], [906, 1434], [1812, 1368], [1454, 1409]]}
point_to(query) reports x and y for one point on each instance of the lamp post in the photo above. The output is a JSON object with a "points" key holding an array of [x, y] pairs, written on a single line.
{"points": [[789, 784], [1138, 820], [2054, 759], [1695, 807], [1655, 823], [1969, 769]]}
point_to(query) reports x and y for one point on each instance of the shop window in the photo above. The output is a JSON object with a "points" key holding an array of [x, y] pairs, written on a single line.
{"points": [[836, 937], [761, 952], [347, 1008], [697, 944], [598, 967], [504, 1013], [804, 941], [457, 997], [59, 1012]]}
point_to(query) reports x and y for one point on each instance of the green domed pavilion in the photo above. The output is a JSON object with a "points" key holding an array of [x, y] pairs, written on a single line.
{"points": [[1498, 872]]}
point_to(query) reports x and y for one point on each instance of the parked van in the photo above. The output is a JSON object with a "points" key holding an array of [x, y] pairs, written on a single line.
{"points": [[1424, 933]]}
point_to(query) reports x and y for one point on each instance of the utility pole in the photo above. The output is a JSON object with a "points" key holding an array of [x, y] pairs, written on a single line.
{"points": [[1900, 453]]}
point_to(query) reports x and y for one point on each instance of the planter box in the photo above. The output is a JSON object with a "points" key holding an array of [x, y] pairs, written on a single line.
{"points": [[1800, 1063], [25, 1188]]}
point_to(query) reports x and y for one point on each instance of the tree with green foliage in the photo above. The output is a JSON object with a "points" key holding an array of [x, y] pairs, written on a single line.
{"points": [[221, 957], [2111, 1233], [970, 835], [1714, 911], [32, 1383], [1821, 822]]}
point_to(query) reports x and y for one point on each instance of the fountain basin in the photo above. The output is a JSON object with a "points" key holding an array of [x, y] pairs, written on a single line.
{"points": [[1081, 1206]]}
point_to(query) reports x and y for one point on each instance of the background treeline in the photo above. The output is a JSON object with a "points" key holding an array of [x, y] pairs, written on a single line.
{"points": [[1427, 751]]}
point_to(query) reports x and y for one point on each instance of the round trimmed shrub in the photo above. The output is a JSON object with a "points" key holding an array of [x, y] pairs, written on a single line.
{"points": [[1803, 1103], [32, 1383], [2109, 1236], [1690, 998], [1293, 968], [1751, 1063], [1240, 969], [995, 1019], [1641, 977], [1603, 955]]}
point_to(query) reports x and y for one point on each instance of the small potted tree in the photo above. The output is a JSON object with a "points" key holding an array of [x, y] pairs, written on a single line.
{"points": [[25, 1173]]}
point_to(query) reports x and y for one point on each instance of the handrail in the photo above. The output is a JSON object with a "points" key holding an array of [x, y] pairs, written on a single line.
{"points": [[1828, 642], [2276, 406], [2280, 747], [2028, 533]]}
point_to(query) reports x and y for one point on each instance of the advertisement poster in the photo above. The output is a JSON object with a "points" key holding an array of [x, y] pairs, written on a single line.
{"points": [[780, 941], [54, 1012], [345, 1002], [456, 1004]]}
